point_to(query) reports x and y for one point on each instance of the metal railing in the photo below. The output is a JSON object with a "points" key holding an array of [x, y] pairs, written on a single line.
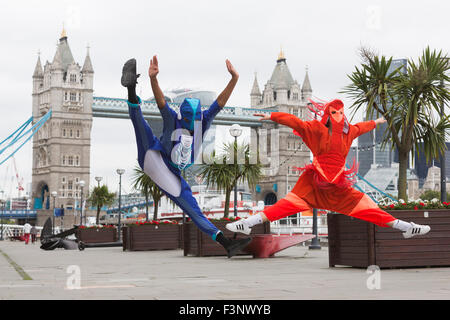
{"points": [[296, 224], [14, 231], [118, 108]]}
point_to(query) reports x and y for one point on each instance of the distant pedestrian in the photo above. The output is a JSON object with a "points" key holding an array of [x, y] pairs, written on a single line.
{"points": [[26, 231], [33, 232]]}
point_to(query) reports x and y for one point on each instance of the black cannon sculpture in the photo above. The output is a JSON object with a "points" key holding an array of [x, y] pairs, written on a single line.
{"points": [[50, 241]]}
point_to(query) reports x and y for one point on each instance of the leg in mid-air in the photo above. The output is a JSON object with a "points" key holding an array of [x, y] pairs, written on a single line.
{"points": [[285, 207], [363, 211], [356, 204], [154, 160], [366, 209], [348, 201]]}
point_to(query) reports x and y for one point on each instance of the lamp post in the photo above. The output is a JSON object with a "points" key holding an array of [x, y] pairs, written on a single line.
{"points": [[235, 132], [3, 208], [98, 179], [120, 172], [442, 155], [315, 244], [54, 194], [81, 184]]}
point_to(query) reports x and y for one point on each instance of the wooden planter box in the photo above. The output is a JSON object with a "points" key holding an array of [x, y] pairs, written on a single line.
{"points": [[200, 244], [356, 243], [97, 235], [152, 237]]}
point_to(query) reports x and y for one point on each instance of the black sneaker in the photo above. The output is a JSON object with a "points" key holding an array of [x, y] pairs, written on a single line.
{"points": [[129, 76], [81, 246], [234, 246]]}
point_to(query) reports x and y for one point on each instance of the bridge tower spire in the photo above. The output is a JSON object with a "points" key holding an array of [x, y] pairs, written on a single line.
{"points": [[286, 150], [61, 148]]}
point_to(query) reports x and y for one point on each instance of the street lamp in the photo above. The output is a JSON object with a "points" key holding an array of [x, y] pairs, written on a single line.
{"points": [[3, 208], [98, 179], [315, 244], [442, 155], [235, 132], [120, 172], [81, 184], [54, 194]]}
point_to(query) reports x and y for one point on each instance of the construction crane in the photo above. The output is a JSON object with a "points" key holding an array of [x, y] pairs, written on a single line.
{"points": [[19, 180]]}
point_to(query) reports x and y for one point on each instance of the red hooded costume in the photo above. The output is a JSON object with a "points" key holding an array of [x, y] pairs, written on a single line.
{"points": [[325, 184]]}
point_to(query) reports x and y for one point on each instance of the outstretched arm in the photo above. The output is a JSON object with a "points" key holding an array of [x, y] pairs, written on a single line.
{"points": [[366, 126], [309, 131], [289, 120], [226, 93], [157, 92], [380, 120]]}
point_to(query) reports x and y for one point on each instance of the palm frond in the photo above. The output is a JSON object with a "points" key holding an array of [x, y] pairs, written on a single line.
{"points": [[409, 98]]}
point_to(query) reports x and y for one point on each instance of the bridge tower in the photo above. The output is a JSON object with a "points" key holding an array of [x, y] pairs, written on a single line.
{"points": [[284, 94], [61, 149]]}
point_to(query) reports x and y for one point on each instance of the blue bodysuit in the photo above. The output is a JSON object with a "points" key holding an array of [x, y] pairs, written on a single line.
{"points": [[161, 159]]}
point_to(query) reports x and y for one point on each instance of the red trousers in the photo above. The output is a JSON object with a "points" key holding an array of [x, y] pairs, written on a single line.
{"points": [[306, 195]]}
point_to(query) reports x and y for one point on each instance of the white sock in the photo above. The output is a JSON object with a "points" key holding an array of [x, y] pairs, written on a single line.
{"points": [[253, 220], [401, 225]]}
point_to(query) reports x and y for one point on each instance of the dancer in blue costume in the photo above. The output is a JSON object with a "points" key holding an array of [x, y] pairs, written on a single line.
{"points": [[163, 159]]}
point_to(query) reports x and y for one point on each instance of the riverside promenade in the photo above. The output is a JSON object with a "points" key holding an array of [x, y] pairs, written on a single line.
{"points": [[27, 272]]}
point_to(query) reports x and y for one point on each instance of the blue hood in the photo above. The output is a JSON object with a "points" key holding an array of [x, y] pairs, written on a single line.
{"points": [[190, 109]]}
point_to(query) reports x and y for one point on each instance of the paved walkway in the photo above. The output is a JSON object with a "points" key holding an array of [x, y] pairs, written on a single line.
{"points": [[110, 273]]}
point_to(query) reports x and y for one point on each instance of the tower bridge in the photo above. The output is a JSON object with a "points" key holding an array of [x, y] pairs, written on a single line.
{"points": [[104, 107], [61, 149]]}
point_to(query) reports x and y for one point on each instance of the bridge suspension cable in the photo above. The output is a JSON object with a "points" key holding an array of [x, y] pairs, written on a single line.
{"points": [[21, 133], [373, 192]]}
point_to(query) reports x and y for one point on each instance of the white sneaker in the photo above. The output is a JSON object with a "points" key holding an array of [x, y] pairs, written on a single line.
{"points": [[239, 226], [416, 230]]}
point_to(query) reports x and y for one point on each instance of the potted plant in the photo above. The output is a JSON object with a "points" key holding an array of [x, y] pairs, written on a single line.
{"points": [[358, 243], [99, 197], [97, 234], [199, 244], [152, 235], [405, 96]]}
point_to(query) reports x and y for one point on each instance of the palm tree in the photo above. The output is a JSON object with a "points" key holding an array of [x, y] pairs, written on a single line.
{"points": [[147, 187], [224, 172], [408, 99], [99, 197]]}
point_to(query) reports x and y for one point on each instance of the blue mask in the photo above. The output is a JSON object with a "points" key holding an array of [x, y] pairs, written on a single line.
{"points": [[191, 110]]}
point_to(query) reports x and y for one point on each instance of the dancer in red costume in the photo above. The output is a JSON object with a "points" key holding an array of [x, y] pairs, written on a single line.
{"points": [[325, 184]]}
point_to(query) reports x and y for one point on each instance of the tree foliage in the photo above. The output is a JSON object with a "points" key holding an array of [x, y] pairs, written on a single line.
{"points": [[409, 98], [99, 197], [233, 165], [143, 183]]}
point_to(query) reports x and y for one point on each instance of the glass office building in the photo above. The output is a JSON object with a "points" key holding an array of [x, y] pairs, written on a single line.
{"points": [[421, 166]]}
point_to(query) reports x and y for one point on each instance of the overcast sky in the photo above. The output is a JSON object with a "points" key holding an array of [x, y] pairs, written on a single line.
{"points": [[192, 40]]}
